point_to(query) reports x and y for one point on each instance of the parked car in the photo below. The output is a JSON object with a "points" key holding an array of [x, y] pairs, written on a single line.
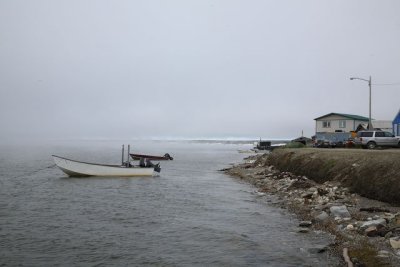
{"points": [[324, 144], [372, 139]]}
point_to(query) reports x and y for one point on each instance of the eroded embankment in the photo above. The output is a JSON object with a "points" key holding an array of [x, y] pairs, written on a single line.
{"points": [[371, 173]]}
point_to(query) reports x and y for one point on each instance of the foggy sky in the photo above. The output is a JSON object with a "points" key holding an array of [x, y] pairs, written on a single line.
{"points": [[193, 69]]}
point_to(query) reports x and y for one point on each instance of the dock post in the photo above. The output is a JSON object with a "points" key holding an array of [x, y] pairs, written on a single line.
{"points": [[127, 159], [122, 163]]}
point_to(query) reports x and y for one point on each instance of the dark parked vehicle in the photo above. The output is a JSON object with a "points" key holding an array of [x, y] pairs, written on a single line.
{"points": [[372, 139]]}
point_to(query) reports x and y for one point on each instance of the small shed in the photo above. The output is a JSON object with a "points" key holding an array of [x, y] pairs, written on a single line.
{"points": [[396, 125], [303, 140]]}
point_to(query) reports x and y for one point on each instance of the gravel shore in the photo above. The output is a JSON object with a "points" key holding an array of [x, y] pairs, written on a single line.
{"points": [[365, 230]]}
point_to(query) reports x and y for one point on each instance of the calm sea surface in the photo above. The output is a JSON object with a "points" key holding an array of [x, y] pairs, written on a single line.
{"points": [[192, 215]]}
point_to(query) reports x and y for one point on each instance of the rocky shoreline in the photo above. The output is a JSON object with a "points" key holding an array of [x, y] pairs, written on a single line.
{"points": [[367, 232]]}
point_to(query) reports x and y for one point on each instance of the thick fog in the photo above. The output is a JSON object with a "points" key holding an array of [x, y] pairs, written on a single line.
{"points": [[193, 69]]}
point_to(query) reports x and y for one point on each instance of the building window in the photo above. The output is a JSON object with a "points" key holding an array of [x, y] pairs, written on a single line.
{"points": [[326, 124], [342, 124]]}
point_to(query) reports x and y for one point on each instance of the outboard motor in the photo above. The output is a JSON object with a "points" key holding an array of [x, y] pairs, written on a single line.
{"points": [[157, 168], [167, 156]]}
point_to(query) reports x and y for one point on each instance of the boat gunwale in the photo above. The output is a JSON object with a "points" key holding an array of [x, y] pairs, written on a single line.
{"points": [[150, 157]]}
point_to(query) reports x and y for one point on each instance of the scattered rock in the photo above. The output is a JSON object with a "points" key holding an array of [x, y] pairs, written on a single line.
{"points": [[383, 254], [375, 223], [374, 209], [371, 231], [307, 195], [301, 184], [318, 250], [340, 211], [305, 223], [395, 242], [389, 217], [260, 194], [303, 230], [389, 235], [322, 191], [376, 217], [395, 221], [322, 217]]}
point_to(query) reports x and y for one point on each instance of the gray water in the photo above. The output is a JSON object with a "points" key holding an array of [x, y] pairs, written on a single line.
{"points": [[191, 215]]}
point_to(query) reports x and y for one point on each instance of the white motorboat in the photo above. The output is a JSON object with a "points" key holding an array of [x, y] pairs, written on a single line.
{"points": [[80, 169]]}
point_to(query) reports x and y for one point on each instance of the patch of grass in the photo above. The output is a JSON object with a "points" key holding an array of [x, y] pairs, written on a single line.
{"points": [[365, 254], [295, 145], [328, 165]]}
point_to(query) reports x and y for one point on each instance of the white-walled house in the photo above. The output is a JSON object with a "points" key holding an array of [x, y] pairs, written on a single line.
{"points": [[338, 122]]}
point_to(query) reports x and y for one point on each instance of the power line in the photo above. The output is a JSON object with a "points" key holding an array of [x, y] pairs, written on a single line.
{"points": [[385, 84]]}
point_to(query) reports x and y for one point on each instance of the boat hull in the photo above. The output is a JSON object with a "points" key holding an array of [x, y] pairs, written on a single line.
{"points": [[83, 169], [150, 157]]}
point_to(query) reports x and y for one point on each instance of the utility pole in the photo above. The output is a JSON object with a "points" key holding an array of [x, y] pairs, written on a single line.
{"points": [[370, 122], [370, 89]]}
